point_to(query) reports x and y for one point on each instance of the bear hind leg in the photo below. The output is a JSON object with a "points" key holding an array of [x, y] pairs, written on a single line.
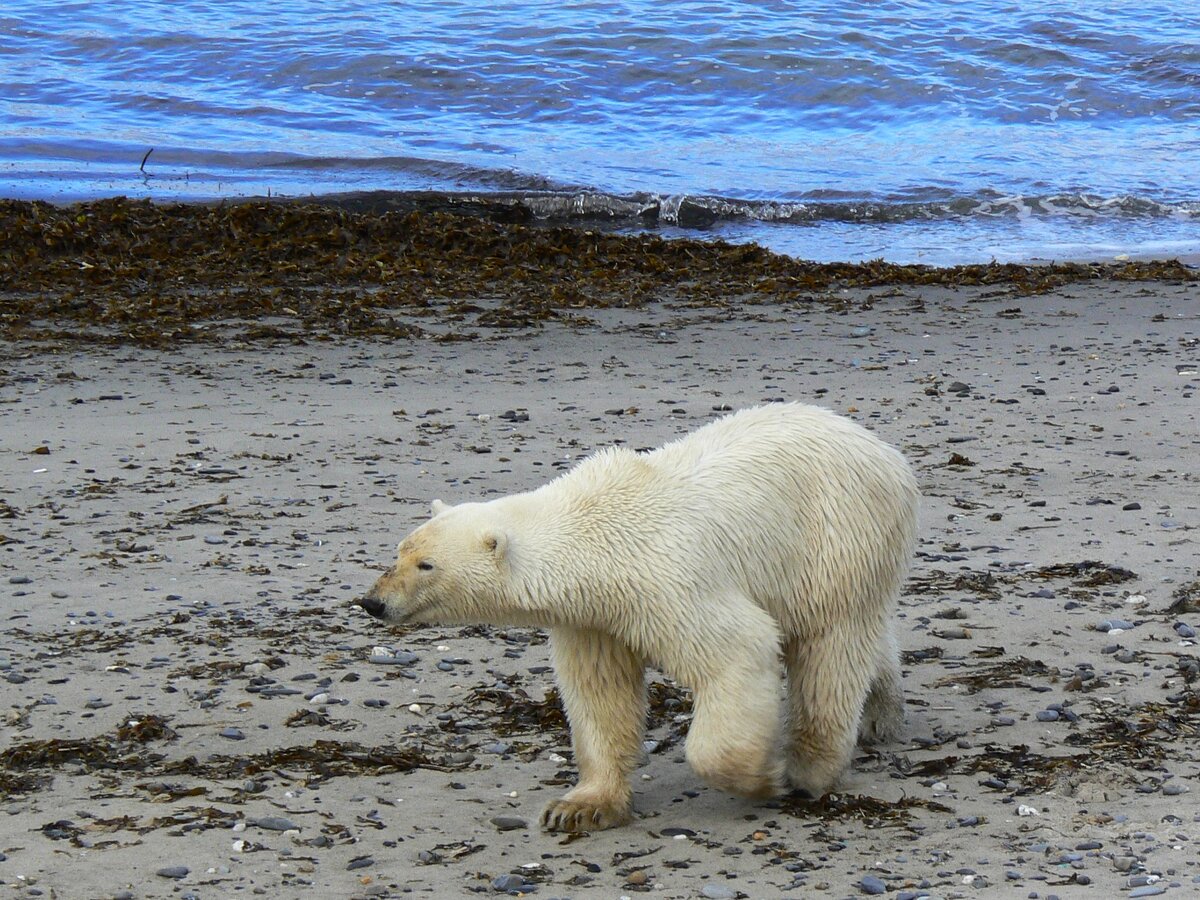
{"points": [[733, 742], [883, 713], [828, 679], [603, 687]]}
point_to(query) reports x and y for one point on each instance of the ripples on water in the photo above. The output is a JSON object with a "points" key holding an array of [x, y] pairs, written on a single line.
{"points": [[936, 131]]}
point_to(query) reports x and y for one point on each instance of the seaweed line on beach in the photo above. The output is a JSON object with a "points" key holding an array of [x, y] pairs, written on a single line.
{"points": [[129, 272]]}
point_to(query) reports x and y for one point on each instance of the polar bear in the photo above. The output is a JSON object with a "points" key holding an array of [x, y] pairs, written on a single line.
{"points": [[767, 545]]}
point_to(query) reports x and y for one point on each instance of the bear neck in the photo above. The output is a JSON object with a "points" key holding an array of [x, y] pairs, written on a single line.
{"points": [[576, 540]]}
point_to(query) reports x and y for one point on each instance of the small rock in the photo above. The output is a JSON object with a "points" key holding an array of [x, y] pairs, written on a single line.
{"points": [[275, 823], [507, 883], [509, 823], [1047, 715], [1174, 789], [360, 862], [172, 872], [1111, 625], [1184, 630], [19, 579], [717, 892], [872, 885], [234, 734]]}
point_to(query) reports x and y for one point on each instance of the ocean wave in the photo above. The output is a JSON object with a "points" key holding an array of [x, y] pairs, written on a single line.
{"points": [[693, 211]]}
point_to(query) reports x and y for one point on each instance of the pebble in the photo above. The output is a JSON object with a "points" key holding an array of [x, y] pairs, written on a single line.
{"points": [[19, 579], [360, 862], [511, 884], [1149, 890], [234, 734], [1047, 715], [872, 885], [382, 656], [275, 823], [1184, 630], [509, 823], [717, 892], [1174, 789], [1111, 625], [172, 872]]}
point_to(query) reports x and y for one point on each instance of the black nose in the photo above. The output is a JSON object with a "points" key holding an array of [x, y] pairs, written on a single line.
{"points": [[372, 605]]}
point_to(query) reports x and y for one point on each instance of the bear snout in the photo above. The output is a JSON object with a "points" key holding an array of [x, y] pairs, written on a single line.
{"points": [[372, 604]]}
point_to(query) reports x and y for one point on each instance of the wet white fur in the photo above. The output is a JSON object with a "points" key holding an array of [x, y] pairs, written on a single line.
{"points": [[769, 543]]}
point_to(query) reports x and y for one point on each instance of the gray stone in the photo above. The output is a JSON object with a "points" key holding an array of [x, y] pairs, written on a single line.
{"points": [[509, 823], [275, 823], [872, 885], [717, 892], [173, 872]]}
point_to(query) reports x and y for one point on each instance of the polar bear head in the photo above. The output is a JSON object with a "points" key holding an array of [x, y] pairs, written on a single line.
{"points": [[452, 570]]}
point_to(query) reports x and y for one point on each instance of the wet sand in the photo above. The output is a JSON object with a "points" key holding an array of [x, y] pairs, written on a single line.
{"points": [[194, 709]]}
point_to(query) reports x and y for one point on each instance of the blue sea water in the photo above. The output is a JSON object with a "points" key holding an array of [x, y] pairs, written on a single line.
{"points": [[936, 131]]}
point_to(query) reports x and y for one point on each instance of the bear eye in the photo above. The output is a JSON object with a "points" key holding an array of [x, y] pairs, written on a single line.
{"points": [[425, 565]]}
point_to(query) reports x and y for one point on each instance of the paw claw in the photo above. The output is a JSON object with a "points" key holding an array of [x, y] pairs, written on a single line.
{"points": [[575, 816]]}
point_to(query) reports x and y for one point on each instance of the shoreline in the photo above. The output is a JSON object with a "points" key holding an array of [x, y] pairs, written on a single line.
{"points": [[191, 704], [121, 271]]}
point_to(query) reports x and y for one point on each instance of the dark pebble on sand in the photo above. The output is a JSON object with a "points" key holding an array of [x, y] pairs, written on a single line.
{"points": [[511, 883], [234, 734], [19, 579], [509, 823], [1114, 625], [872, 885], [360, 862], [173, 872], [676, 832], [1047, 715], [1184, 630], [1129, 507]]}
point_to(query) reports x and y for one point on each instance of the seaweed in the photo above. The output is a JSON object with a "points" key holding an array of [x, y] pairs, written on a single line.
{"points": [[1008, 674], [1185, 599], [871, 811], [511, 711], [123, 271]]}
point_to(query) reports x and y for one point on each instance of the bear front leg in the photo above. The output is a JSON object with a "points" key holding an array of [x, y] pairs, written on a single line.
{"points": [[603, 687]]}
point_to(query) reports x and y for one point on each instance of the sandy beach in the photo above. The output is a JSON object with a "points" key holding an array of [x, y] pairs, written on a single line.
{"points": [[194, 709]]}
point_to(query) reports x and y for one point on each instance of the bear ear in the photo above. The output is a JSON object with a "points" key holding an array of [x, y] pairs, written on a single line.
{"points": [[437, 507], [496, 543]]}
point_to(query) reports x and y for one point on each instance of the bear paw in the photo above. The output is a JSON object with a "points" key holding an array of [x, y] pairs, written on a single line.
{"points": [[584, 815]]}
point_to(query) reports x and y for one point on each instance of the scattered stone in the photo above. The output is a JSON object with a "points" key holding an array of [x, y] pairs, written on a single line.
{"points": [[872, 885], [509, 823], [173, 872], [275, 823], [512, 884], [717, 892], [233, 734]]}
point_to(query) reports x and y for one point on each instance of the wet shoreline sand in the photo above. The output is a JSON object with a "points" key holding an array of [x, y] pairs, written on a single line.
{"points": [[187, 512]]}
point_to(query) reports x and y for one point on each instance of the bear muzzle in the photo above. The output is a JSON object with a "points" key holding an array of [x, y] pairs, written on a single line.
{"points": [[372, 604]]}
